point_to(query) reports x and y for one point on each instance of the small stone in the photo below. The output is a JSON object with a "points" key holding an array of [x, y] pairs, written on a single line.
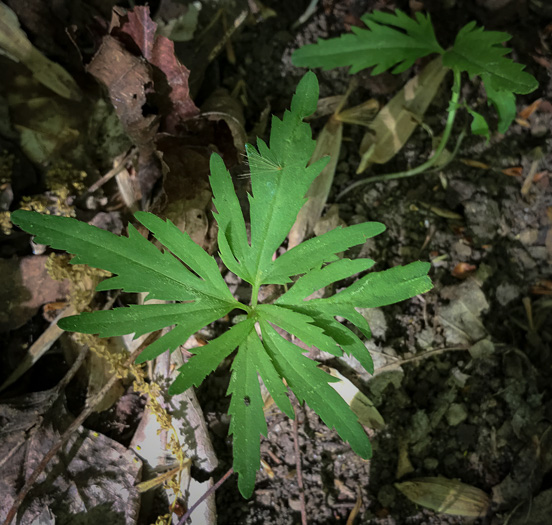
{"points": [[425, 338], [419, 426], [294, 504], [376, 320], [456, 414], [459, 377], [462, 251], [483, 348], [506, 293], [529, 236]]}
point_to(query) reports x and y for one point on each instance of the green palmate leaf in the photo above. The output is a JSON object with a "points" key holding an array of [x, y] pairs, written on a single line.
{"points": [[480, 52], [396, 40], [140, 266], [186, 274], [391, 40], [314, 252], [310, 384]]}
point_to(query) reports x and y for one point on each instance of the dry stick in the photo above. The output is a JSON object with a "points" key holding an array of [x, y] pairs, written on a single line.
{"points": [[419, 357], [205, 496], [113, 171], [88, 409], [298, 468]]}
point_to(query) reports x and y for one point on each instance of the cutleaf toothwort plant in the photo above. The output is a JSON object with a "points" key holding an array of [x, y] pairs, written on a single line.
{"points": [[186, 276], [396, 41]]}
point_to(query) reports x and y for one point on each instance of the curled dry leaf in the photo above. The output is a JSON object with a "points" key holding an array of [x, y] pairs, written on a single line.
{"points": [[170, 77], [147, 85]]}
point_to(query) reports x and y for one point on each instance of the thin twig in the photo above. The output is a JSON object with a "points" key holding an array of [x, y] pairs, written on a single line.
{"points": [[205, 496], [298, 468], [419, 357], [88, 409], [113, 171]]}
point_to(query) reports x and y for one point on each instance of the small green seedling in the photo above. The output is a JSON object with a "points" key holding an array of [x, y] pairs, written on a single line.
{"points": [[397, 41], [189, 278]]}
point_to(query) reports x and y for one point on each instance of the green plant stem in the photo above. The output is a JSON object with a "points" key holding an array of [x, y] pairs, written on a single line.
{"points": [[255, 295], [453, 108]]}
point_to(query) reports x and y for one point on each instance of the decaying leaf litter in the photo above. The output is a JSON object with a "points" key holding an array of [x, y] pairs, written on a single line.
{"points": [[473, 409]]}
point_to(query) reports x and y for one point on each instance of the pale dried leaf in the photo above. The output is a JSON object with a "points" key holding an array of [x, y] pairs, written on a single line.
{"points": [[396, 122], [364, 409], [447, 496], [15, 42]]}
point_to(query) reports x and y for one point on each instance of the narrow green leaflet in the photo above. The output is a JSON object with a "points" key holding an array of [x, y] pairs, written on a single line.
{"points": [[279, 194], [270, 377], [310, 384], [232, 235], [140, 266], [480, 52], [208, 357], [191, 254], [136, 319], [300, 325], [319, 250], [323, 316], [142, 319], [246, 410], [391, 40], [383, 288], [320, 278]]}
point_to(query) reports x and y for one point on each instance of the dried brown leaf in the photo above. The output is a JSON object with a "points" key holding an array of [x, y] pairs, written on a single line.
{"points": [[128, 80]]}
